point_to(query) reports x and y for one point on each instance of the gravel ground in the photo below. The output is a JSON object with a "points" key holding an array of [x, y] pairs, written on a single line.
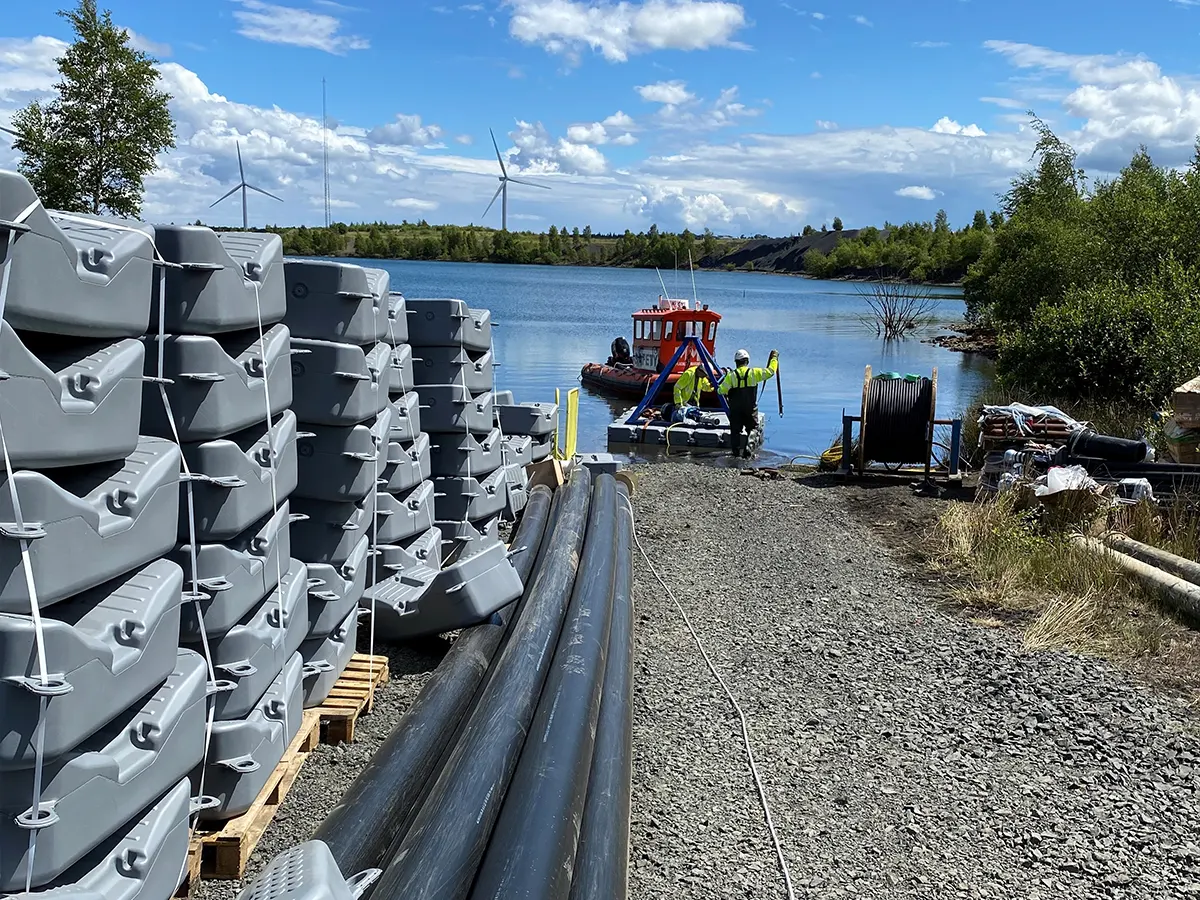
{"points": [[906, 752], [328, 771]]}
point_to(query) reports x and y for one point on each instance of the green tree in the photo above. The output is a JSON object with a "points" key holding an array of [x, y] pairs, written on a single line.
{"points": [[980, 222], [708, 245], [996, 220], [808, 229], [90, 148], [837, 224]]}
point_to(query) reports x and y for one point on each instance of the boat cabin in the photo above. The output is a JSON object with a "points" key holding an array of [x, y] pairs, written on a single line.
{"points": [[658, 331]]}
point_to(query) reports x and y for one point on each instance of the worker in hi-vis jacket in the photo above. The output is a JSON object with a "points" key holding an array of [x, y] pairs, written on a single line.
{"points": [[690, 385], [739, 386]]}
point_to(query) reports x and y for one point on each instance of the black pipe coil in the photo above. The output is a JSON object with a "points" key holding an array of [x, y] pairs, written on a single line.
{"points": [[440, 854], [380, 803], [898, 415], [532, 848], [602, 860]]}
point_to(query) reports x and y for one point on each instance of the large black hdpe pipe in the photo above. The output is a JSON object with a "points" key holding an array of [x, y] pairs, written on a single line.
{"points": [[380, 804], [532, 848], [440, 853], [1102, 446], [602, 861]]}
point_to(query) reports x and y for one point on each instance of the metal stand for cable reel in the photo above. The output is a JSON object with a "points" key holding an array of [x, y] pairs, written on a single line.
{"points": [[888, 451]]}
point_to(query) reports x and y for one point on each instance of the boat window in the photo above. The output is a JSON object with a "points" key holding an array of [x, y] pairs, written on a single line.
{"points": [[654, 329], [668, 331], [638, 327], [712, 331]]}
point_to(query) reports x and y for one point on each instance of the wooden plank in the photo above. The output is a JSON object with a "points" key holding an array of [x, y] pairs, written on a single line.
{"points": [[225, 853], [548, 472], [352, 696], [192, 876]]}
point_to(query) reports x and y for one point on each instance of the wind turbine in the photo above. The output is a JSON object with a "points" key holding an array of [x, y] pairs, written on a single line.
{"points": [[243, 187], [16, 134], [502, 191]]}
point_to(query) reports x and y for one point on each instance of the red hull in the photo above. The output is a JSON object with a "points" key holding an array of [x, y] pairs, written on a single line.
{"points": [[623, 382]]}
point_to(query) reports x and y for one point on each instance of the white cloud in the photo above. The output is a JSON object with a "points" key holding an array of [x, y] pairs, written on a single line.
{"points": [[594, 133], [826, 125], [619, 121], [930, 45], [815, 75], [1101, 69], [414, 204], [671, 93], [538, 152], [818, 15], [275, 24], [619, 30], [946, 125], [864, 21], [917, 192], [464, 139], [625, 140], [406, 131], [153, 48]]}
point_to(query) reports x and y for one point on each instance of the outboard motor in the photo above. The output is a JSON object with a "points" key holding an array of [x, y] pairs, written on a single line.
{"points": [[620, 353]]}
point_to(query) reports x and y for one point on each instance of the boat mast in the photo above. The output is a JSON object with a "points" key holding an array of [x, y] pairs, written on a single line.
{"points": [[695, 299]]}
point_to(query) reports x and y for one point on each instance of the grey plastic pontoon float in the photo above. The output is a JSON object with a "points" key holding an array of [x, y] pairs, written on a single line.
{"points": [[448, 323], [472, 499], [333, 591], [452, 409], [219, 282], [322, 879], [104, 519], [326, 657], [87, 792], [233, 576], [74, 274], [231, 478], [689, 434], [75, 405], [332, 301], [541, 448], [475, 580], [406, 417], [518, 450], [219, 384], [517, 480], [405, 516], [460, 455], [249, 656], [339, 463], [406, 466], [329, 531], [105, 648], [396, 332], [145, 860], [339, 384], [400, 375], [243, 753], [455, 365], [531, 419]]}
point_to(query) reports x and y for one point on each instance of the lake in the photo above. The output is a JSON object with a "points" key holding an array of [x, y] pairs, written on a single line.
{"points": [[553, 319]]}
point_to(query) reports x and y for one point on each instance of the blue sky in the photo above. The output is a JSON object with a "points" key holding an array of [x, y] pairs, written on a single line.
{"points": [[758, 116]]}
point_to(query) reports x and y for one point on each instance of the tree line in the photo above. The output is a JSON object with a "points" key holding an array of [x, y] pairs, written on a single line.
{"points": [[1094, 289]]}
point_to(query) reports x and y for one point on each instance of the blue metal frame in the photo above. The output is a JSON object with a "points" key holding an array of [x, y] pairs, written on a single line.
{"points": [[707, 363]]}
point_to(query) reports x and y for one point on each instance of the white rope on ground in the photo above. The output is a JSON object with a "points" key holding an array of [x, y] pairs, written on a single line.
{"points": [[762, 793]]}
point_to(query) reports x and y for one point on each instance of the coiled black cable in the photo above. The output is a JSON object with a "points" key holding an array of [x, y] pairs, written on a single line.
{"points": [[897, 422]]}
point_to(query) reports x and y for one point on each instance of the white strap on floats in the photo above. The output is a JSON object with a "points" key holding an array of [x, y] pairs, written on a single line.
{"points": [[39, 733]]}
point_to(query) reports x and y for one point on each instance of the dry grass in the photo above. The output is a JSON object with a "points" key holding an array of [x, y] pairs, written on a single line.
{"points": [[1011, 556]]}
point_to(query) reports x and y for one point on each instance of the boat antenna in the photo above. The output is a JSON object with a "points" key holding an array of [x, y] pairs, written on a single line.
{"points": [[677, 271], [695, 299], [663, 283]]}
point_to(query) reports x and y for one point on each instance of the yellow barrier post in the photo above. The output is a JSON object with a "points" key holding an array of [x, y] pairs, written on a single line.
{"points": [[564, 452]]}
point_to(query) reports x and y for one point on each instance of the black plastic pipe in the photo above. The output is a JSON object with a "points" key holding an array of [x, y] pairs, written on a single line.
{"points": [[532, 849], [440, 854], [602, 861], [381, 803]]}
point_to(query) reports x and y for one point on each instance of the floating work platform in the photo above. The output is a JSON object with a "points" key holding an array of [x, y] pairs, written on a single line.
{"points": [[686, 435]]}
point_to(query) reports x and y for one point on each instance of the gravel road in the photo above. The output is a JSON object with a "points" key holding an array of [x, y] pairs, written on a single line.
{"points": [[906, 752]]}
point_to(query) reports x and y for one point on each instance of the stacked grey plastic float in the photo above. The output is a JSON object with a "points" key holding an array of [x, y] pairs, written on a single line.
{"points": [[103, 712], [458, 573], [225, 357], [364, 465]]}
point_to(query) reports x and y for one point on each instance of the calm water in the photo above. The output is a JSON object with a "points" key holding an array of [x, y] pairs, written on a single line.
{"points": [[554, 319]]}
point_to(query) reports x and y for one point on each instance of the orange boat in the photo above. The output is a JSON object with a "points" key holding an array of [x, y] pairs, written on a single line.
{"points": [[657, 333]]}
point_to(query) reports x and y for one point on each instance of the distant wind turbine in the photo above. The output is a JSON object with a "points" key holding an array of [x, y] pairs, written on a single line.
{"points": [[502, 191], [10, 131], [243, 187]]}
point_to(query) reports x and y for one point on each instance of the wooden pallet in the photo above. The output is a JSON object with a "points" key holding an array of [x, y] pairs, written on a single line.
{"points": [[352, 696], [192, 876], [224, 854]]}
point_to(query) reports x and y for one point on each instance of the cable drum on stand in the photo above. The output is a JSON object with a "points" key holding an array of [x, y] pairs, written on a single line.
{"points": [[897, 419]]}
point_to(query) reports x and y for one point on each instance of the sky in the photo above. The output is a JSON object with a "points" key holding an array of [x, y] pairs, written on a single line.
{"points": [[746, 117]]}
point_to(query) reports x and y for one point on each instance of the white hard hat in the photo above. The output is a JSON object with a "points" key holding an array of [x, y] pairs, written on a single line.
{"points": [[742, 356]]}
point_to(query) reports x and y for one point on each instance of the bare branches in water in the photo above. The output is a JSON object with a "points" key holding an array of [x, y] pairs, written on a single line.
{"points": [[896, 308]]}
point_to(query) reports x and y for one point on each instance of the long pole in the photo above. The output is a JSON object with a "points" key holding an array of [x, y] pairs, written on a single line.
{"points": [[325, 150], [779, 388], [504, 206], [245, 216]]}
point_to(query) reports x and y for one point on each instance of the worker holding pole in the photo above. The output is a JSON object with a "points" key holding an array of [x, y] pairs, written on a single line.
{"points": [[739, 387]]}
